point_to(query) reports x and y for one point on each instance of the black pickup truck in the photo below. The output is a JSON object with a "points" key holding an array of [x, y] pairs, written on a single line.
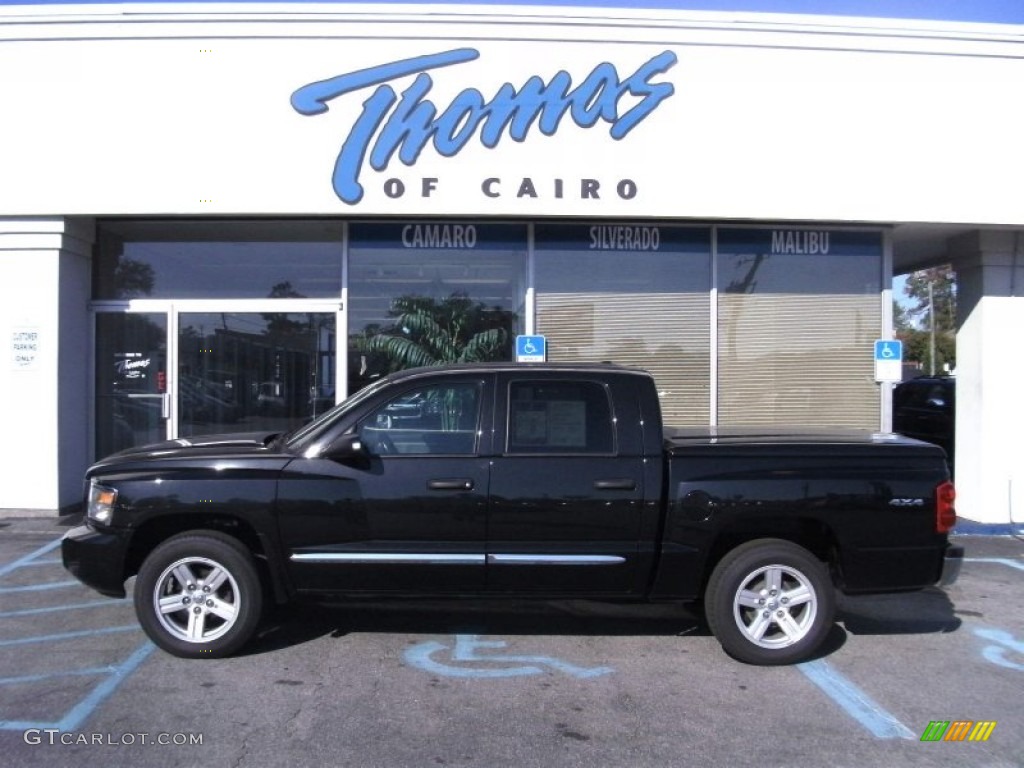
{"points": [[546, 481]]}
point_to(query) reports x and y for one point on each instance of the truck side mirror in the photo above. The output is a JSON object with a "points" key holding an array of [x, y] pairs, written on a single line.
{"points": [[350, 448]]}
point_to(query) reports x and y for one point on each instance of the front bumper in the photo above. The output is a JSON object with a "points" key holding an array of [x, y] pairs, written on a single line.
{"points": [[96, 558], [951, 563]]}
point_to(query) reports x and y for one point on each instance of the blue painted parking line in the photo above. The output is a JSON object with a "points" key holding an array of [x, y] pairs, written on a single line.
{"points": [[57, 608], [998, 561], [40, 587], [77, 714], [854, 701], [68, 635], [53, 675], [111, 676], [31, 556]]}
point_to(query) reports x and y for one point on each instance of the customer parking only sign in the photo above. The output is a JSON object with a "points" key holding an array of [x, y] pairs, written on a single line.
{"points": [[24, 348]]}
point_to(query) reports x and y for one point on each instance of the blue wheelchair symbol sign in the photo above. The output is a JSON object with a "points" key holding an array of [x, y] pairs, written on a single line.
{"points": [[531, 349], [889, 350], [888, 360]]}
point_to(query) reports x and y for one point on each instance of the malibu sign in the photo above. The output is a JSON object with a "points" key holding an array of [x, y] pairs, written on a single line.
{"points": [[403, 124]]}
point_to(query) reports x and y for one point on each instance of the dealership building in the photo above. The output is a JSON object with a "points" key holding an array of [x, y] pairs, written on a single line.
{"points": [[231, 216]]}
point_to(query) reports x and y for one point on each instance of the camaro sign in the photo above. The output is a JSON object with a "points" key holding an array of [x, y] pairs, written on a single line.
{"points": [[404, 124]]}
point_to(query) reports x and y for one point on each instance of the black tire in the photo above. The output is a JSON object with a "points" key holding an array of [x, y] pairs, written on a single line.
{"points": [[199, 620], [770, 602]]}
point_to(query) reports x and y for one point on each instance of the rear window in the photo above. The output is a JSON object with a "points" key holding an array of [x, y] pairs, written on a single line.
{"points": [[559, 417]]}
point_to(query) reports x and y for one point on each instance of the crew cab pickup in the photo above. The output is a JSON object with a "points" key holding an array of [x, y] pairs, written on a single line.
{"points": [[496, 480]]}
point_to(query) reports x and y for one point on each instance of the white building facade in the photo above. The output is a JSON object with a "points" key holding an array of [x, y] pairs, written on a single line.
{"points": [[215, 217]]}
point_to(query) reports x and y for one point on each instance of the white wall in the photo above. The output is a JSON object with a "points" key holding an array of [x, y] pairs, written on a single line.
{"points": [[43, 371], [793, 118], [172, 110], [990, 379]]}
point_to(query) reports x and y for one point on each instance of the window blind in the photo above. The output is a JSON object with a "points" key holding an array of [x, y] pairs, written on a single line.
{"points": [[667, 334], [797, 359]]}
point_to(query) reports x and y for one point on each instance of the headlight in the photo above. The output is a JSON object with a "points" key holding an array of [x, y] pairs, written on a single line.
{"points": [[101, 503]]}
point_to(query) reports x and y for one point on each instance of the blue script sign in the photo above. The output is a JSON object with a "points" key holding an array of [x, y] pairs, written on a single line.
{"points": [[390, 123]]}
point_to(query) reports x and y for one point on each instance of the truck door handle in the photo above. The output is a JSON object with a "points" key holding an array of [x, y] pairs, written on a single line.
{"points": [[451, 484], [620, 484]]}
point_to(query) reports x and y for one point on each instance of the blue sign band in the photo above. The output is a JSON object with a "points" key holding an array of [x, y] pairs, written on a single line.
{"points": [[438, 235], [800, 242], [622, 237]]}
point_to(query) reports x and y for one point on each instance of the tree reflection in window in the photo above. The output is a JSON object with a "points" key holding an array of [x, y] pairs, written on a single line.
{"points": [[132, 279], [427, 331]]}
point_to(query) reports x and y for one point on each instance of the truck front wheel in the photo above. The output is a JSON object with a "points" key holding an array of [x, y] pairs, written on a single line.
{"points": [[198, 595], [770, 602]]}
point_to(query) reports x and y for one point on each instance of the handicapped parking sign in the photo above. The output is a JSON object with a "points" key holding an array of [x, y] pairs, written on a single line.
{"points": [[531, 349], [888, 360]]}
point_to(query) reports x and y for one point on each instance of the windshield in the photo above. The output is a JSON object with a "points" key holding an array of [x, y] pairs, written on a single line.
{"points": [[324, 420]]}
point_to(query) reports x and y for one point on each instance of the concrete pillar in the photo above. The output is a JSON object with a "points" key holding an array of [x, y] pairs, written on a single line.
{"points": [[44, 371], [990, 377]]}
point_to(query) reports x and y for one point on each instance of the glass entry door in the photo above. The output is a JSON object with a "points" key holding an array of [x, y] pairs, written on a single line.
{"points": [[169, 374], [253, 371], [132, 401]]}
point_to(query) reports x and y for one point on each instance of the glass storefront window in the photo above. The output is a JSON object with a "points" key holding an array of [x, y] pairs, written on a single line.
{"points": [[247, 371], [798, 311], [427, 293], [131, 380], [635, 295], [218, 260]]}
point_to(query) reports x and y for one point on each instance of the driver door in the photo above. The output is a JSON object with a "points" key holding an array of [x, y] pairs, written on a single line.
{"points": [[411, 516]]}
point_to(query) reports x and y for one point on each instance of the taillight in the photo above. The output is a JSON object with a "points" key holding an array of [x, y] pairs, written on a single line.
{"points": [[945, 511]]}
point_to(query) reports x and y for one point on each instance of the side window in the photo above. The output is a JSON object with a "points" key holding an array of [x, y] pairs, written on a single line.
{"points": [[440, 419], [559, 417], [909, 395], [940, 396]]}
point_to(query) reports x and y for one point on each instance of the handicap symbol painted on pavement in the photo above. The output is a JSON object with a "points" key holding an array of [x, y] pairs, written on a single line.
{"points": [[429, 657], [997, 653]]}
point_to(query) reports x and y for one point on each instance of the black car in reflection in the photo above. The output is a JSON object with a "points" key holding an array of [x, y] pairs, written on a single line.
{"points": [[925, 409]]}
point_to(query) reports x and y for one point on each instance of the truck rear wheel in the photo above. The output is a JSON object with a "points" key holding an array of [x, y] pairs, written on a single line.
{"points": [[770, 602], [198, 595]]}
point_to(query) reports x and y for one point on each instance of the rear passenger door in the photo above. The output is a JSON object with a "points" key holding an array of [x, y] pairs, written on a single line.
{"points": [[566, 501]]}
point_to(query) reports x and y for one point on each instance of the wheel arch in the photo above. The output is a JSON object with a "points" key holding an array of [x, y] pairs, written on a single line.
{"points": [[153, 532], [813, 535]]}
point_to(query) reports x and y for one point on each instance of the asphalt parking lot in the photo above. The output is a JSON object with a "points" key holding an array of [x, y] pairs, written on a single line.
{"points": [[496, 684]]}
